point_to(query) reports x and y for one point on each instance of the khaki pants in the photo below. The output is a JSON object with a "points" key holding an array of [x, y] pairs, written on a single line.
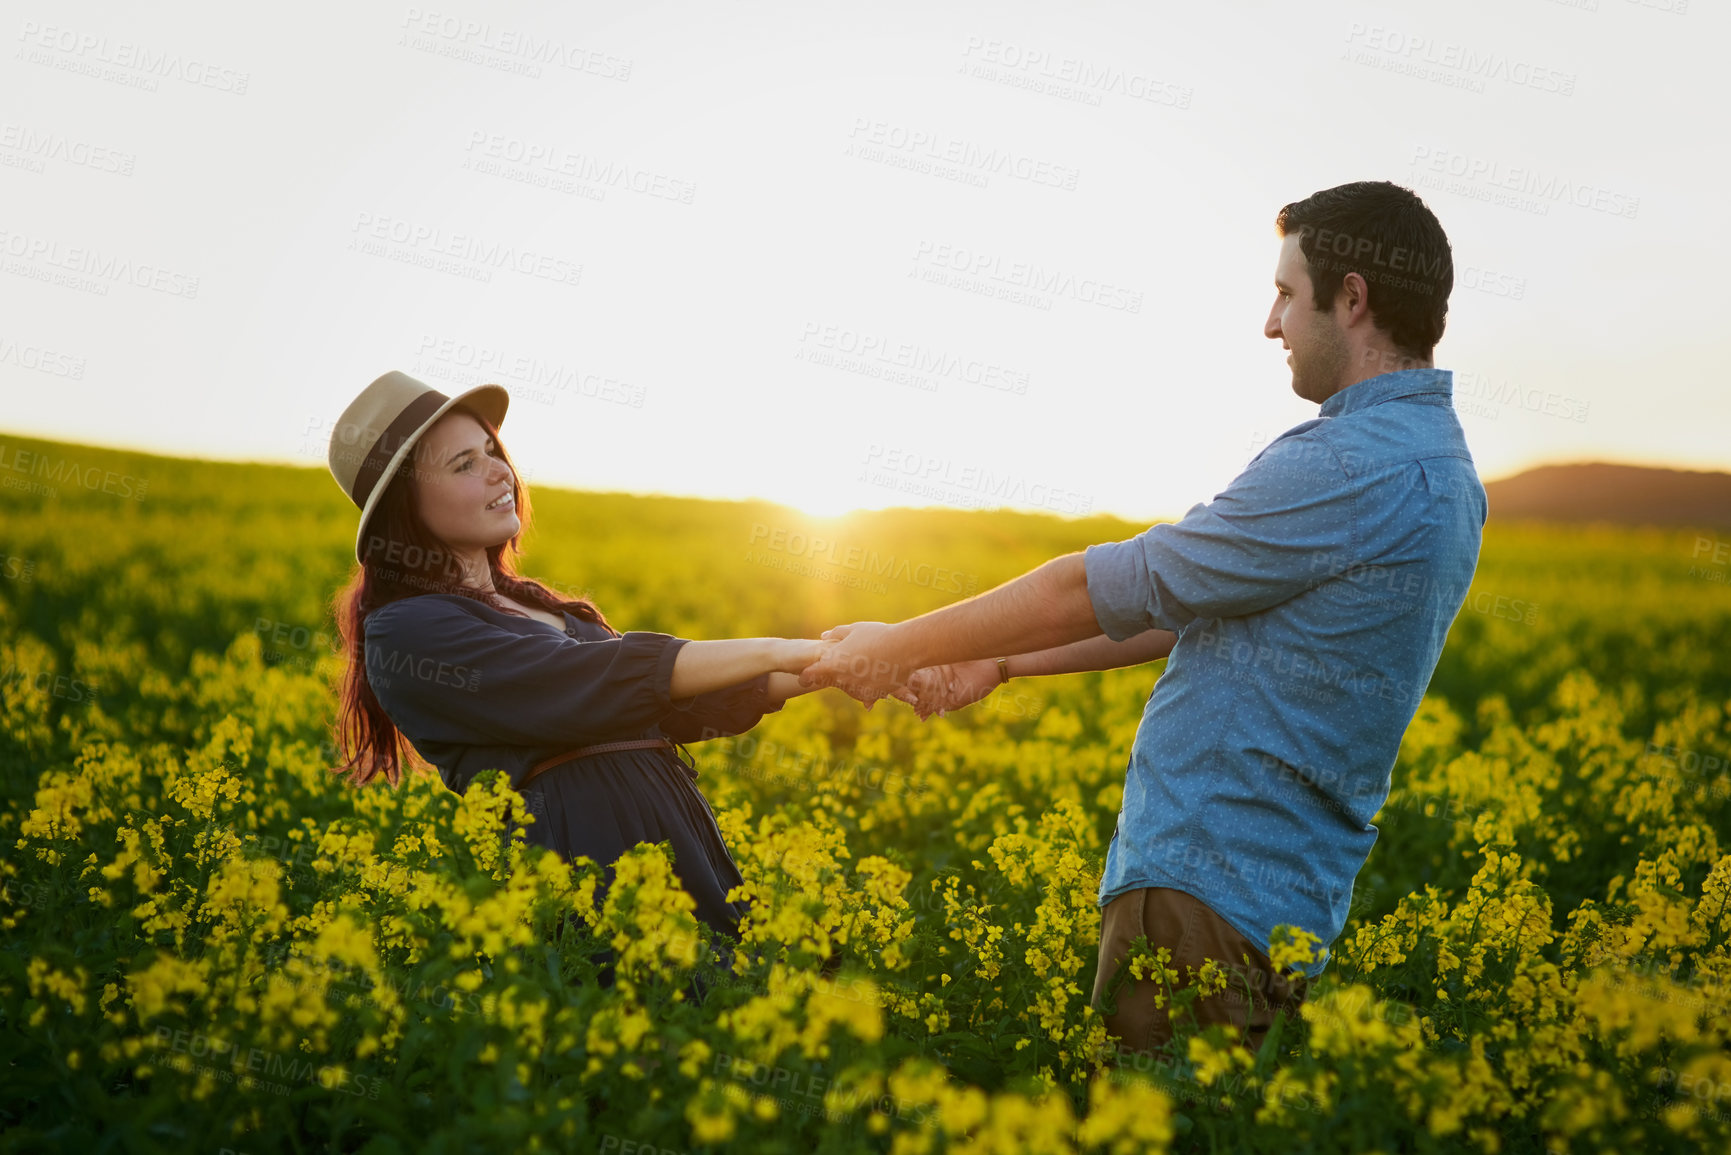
{"points": [[1191, 930]]}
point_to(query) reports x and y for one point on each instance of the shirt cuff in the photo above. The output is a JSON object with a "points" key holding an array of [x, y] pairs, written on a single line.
{"points": [[760, 695], [663, 680], [1118, 589]]}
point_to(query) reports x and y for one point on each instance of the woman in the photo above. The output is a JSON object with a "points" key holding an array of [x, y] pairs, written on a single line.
{"points": [[479, 667]]}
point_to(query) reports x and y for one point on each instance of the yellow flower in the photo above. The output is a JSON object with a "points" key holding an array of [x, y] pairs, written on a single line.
{"points": [[1289, 947], [711, 1114], [44, 981], [1127, 1118], [153, 989], [1211, 1063]]}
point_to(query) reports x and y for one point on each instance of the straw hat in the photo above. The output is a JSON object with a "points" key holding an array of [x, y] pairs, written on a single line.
{"points": [[380, 427]]}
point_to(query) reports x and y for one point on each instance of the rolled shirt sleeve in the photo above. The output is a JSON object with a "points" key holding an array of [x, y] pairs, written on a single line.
{"points": [[1284, 525], [445, 675]]}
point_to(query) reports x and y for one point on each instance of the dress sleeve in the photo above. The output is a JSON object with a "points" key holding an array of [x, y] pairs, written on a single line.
{"points": [[1284, 525], [445, 675], [719, 713]]}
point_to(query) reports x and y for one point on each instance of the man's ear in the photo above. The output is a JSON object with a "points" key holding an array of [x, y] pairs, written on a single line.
{"points": [[1357, 295]]}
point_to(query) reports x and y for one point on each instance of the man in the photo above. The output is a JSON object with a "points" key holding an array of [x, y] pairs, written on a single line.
{"points": [[1304, 610]]}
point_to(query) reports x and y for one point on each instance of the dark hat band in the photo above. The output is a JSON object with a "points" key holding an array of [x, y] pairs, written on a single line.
{"points": [[413, 416]]}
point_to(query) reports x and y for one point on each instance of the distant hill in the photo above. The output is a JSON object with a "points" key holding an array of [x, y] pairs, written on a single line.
{"points": [[1622, 494]]}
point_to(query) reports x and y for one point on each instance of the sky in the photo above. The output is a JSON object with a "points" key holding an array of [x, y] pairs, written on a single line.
{"points": [[844, 255]]}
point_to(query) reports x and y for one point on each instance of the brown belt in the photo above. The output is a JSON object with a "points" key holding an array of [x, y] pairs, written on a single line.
{"points": [[585, 751]]}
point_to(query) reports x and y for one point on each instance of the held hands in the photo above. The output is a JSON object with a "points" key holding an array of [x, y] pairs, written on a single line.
{"points": [[856, 660], [860, 661], [940, 689]]}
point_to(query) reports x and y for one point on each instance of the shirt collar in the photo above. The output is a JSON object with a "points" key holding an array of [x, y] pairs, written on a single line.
{"points": [[1389, 387]]}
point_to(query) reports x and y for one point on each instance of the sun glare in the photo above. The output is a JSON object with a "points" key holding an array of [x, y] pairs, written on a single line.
{"points": [[815, 499], [818, 505]]}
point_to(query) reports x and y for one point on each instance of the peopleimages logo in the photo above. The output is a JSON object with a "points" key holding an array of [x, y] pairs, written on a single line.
{"points": [[928, 364], [862, 559], [1471, 384], [498, 154], [1023, 276], [87, 53], [1424, 54], [1552, 188], [37, 256], [41, 359], [1358, 250], [38, 147], [39, 467], [381, 662], [254, 1067], [1069, 77], [959, 483], [464, 254], [883, 141], [517, 50], [470, 364]]}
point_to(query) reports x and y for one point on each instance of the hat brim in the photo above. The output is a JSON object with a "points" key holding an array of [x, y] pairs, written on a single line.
{"points": [[490, 401]]}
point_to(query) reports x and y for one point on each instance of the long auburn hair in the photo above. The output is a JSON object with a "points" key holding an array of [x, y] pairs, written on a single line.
{"points": [[405, 559]]}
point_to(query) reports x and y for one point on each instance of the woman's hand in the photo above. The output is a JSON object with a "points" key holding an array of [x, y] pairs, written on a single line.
{"points": [[953, 686]]}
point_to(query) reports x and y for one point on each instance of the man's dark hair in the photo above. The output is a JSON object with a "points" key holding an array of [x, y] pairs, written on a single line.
{"points": [[1388, 236]]}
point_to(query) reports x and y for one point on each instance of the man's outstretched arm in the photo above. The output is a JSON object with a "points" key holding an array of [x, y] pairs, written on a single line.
{"points": [[1046, 607]]}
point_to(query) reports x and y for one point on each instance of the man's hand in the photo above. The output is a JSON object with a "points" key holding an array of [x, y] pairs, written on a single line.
{"points": [[940, 689], [860, 662]]}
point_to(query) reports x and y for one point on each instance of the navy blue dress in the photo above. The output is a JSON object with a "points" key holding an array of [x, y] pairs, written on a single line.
{"points": [[472, 687]]}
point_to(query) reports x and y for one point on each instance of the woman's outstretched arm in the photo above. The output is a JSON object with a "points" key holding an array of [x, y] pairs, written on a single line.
{"points": [[1096, 653], [785, 686], [939, 689], [700, 667]]}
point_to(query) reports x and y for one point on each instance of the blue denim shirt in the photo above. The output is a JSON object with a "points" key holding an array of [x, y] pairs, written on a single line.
{"points": [[1311, 600]]}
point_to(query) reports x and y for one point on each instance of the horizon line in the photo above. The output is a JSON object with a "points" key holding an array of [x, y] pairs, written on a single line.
{"points": [[295, 463]]}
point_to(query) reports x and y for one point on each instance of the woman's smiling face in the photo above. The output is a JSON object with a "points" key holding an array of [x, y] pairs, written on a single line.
{"points": [[459, 479]]}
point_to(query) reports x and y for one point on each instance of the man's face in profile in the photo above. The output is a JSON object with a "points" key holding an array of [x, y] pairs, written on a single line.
{"points": [[1319, 354]]}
